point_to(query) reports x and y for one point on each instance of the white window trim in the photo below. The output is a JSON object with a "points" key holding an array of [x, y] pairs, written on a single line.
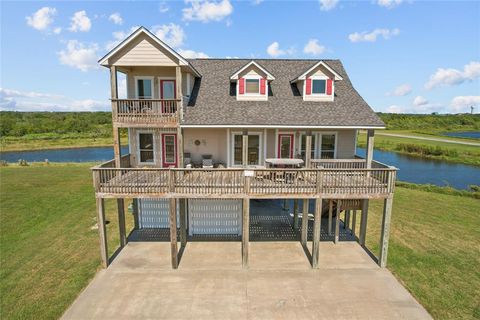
{"points": [[320, 78], [155, 150], [144, 78], [314, 134], [175, 146], [232, 147], [319, 143]]}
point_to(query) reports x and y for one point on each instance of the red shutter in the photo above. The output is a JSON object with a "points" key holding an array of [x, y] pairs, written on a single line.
{"points": [[329, 86], [308, 84], [241, 86], [262, 86]]}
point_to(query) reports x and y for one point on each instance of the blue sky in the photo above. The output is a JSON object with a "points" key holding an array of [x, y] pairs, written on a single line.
{"points": [[402, 56]]}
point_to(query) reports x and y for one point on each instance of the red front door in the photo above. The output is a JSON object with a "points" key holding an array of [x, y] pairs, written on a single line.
{"points": [[285, 146], [169, 150]]}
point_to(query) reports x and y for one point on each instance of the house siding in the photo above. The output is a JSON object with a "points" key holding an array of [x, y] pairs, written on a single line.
{"points": [[212, 141], [143, 51]]}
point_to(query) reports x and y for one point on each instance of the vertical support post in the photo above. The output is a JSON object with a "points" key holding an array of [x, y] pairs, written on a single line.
{"points": [[330, 216], [117, 152], [304, 233], [179, 93], [183, 222], [245, 231], [308, 148], [173, 232], [121, 222], [370, 143], [180, 147], [385, 235], [136, 222], [295, 214], [354, 223], [316, 232], [102, 231], [363, 222], [114, 91], [347, 219], [245, 148], [337, 222]]}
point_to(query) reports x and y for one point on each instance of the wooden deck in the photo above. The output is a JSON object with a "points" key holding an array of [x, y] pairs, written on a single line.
{"points": [[337, 183]]}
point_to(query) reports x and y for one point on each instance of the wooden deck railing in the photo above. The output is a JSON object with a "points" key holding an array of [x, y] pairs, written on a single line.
{"points": [[145, 111], [236, 183]]}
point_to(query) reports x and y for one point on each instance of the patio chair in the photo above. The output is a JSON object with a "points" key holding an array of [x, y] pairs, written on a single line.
{"points": [[207, 163]]}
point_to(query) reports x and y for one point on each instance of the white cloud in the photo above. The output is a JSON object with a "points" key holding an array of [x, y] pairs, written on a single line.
{"points": [[426, 108], [42, 19], [401, 90], [313, 48], [171, 34], [390, 4], [396, 109], [450, 77], [256, 2], [463, 103], [15, 100], [57, 30], [163, 7], [326, 5], [116, 18], [372, 36], [205, 10], [79, 55], [274, 50], [420, 101], [80, 22], [190, 54]]}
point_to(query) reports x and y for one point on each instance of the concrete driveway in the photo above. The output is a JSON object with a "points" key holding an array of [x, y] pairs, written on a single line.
{"points": [[211, 284]]}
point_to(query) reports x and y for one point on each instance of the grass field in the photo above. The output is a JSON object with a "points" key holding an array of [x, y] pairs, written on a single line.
{"points": [[49, 251], [451, 152]]}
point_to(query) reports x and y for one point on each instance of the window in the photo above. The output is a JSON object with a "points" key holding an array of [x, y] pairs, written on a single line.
{"points": [[169, 150], [253, 149], [252, 86], [144, 88], [327, 146], [319, 86], [303, 139], [146, 147], [285, 145]]}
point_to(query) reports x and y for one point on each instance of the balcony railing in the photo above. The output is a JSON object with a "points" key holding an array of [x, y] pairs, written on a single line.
{"points": [[236, 183], [145, 111]]}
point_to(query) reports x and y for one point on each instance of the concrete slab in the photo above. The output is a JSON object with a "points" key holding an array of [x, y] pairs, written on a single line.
{"points": [[140, 285]]}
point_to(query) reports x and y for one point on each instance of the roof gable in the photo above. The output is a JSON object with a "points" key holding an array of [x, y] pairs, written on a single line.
{"points": [[148, 41], [246, 66], [316, 66]]}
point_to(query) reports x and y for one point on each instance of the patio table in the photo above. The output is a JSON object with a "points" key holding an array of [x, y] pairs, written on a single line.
{"points": [[284, 162]]}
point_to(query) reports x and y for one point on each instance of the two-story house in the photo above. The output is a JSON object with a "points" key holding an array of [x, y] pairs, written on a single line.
{"points": [[208, 135]]}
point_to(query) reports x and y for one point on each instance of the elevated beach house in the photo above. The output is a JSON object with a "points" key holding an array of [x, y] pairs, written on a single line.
{"points": [[206, 136]]}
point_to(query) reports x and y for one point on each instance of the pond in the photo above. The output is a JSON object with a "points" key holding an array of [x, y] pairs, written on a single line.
{"points": [[412, 169], [419, 170], [466, 134], [91, 154]]}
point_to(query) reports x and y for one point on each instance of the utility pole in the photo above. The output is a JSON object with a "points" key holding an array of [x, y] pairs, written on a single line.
{"points": [[471, 109]]}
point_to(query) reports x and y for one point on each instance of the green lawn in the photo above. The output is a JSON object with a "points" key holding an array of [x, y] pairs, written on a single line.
{"points": [[49, 252], [448, 151]]}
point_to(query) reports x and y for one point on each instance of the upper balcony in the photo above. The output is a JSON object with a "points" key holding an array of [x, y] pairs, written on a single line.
{"points": [[146, 112]]}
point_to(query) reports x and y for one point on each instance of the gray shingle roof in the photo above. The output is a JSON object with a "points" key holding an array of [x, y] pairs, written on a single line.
{"points": [[214, 103]]}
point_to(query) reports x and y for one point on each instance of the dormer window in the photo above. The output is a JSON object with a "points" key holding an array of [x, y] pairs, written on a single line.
{"points": [[252, 86], [319, 86], [252, 81]]}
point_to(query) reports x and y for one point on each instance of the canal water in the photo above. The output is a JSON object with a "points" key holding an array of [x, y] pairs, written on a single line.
{"points": [[412, 169], [466, 134]]}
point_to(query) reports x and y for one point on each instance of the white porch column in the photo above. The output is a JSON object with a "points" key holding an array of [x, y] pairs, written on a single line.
{"points": [[245, 148], [308, 148], [370, 143]]}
